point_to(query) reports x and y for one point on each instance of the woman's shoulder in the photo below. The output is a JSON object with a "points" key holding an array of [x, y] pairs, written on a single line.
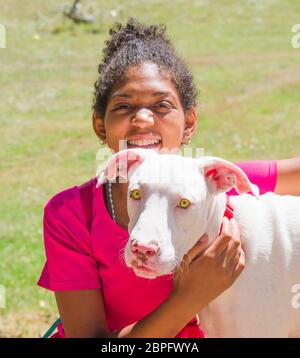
{"points": [[67, 199]]}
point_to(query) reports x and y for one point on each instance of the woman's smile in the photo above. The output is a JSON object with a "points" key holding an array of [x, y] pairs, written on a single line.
{"points": [[144, 143]]}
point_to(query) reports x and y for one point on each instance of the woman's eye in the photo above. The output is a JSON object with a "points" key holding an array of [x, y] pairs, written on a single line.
{"points": [[162, 106], [135, 194], [184, 203], [120, 107]]}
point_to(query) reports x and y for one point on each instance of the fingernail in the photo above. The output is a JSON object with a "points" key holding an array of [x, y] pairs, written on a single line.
{"points": [[203, 237]]}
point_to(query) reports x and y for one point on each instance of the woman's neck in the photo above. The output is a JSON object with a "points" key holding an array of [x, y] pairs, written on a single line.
{"points": [[119, 196], [120, 191]]}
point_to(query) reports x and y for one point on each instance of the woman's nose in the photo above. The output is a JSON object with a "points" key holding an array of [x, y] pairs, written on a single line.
{"points": [[143, 118]]}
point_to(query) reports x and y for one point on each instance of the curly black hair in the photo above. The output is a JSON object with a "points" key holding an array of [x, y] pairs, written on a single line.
{"points": [[136, 43]]}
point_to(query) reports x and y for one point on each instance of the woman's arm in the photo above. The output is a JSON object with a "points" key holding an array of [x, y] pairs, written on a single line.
{"points": [[83, 316], [288, 176], [82, 313], [200, 279]]}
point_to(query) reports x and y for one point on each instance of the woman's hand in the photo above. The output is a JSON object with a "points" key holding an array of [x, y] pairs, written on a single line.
{"points": [[205, 273]]}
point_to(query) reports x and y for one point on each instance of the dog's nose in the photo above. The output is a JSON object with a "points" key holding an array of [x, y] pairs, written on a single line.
{"points": [[147, 250]]}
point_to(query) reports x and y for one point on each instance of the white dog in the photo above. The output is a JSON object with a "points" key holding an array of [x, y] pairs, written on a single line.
{"points": [[173, 201]]}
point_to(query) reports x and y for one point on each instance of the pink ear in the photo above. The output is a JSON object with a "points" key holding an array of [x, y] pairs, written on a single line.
{"points": [[118, 166], [222, 176]]}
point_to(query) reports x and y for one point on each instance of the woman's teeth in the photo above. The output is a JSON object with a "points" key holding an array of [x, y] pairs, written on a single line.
{"points": [[143, 142]]}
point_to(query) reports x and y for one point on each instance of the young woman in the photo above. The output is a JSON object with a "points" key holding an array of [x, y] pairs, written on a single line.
{"points": [[144, 95]]}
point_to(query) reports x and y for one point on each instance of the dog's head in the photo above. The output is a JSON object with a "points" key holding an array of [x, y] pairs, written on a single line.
{"points": [[170, 202]]}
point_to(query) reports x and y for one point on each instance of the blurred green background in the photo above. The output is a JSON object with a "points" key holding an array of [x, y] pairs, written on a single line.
{"points": [[244, 65]]}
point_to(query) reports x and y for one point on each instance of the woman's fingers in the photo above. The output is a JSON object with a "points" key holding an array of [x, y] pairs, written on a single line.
{"points": [[196, 249], [225, 251], [234, 245], [240, 265], [190, 256], [235, 255], [223, 239], [211, 270], [229, 249]]}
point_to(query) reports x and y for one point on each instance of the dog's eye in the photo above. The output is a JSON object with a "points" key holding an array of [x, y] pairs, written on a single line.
{"points": [[135, 194], [184, 203]]}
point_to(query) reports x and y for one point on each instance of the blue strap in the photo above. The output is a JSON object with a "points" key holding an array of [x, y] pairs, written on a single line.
{"points": [[52, 329]]}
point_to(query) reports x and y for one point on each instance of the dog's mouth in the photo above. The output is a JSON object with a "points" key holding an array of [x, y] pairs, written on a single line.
{"points": [[150, 268], [144, 271], [153, 271], [141, 269]]}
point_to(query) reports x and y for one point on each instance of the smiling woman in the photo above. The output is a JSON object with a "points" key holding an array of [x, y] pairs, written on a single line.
{"points": [[145, 110], [145, 96]]}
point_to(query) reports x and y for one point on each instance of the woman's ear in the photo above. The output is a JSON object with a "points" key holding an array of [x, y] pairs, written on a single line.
{"points": [[190, 126], [99, 127]]}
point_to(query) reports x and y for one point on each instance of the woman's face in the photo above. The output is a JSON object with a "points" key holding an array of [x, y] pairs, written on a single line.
{"points": [[145, 111]]}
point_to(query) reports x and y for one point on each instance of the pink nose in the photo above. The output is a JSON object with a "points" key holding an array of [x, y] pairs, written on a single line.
{"points": [[146, 250]]}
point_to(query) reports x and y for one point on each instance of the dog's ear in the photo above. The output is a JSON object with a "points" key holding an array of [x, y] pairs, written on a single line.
{"points": [[119, 165], [222, 176]]}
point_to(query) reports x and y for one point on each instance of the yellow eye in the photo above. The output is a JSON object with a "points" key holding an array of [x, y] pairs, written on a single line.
{"points": [[135, 194], [184, 203]]}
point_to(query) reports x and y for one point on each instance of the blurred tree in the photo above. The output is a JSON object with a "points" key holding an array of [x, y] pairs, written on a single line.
{"points": [[77, 16]]}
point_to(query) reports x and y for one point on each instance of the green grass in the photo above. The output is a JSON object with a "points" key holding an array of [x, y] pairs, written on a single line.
{"points": [[245, 68]]}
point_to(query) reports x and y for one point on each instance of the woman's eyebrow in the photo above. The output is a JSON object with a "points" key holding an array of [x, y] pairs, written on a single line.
{"points": [[121, 94], [164, 93], [155, 94]]}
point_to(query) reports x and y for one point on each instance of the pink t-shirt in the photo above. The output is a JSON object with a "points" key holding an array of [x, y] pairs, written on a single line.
{"points": [[78, 260]]}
